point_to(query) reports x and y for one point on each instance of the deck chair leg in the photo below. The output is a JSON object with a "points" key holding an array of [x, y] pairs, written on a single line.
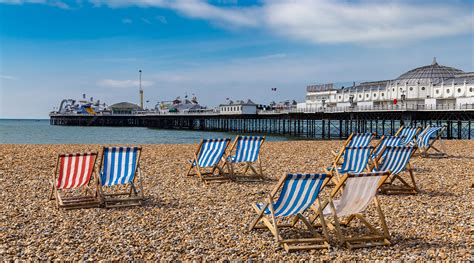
{"points": [[189, 170], [322, 221], [247, 165], [272, 211], [412, 176], [339, 234], [198, 171], [260, 214], [260, 166], [348, 220], [253, 170], [52, 191], [382, 218], [308, 225]]}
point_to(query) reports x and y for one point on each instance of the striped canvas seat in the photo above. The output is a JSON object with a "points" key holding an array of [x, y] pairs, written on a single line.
{"points": [[360, 140], [211, 152], [71, 185], [118, 165], [424, 138], [247, 149], [355, 159], [207, 160], [75, 170], [298, 193], [408, 134], [395, 159], [386, 142]]}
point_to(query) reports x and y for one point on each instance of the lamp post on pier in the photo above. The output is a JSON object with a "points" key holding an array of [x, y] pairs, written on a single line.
{"points": [[141, 89]]}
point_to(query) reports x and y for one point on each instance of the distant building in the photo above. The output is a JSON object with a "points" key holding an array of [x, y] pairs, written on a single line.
{"points": [[179, 105], [426, 86], [238, 107], [124, 108]]}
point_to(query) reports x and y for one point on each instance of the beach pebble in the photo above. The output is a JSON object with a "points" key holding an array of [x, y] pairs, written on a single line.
{"points": [[185, 219]]}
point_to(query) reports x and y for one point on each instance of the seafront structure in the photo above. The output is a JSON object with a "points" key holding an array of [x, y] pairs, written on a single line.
{"points": [[429, 95], [428, 87]]}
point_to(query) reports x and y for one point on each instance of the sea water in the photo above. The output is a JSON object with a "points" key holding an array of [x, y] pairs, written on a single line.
{"points": [[41, 132]]}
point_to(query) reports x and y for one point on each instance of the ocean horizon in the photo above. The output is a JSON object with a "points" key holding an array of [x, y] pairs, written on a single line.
{"points": [[39, 131]]}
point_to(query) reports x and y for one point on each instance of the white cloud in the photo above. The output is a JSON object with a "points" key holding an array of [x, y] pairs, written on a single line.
{"points": [[161, 19], [7, 77], [322, 21], [56, 3], [127, 21], [123, 84], [195, 9]]}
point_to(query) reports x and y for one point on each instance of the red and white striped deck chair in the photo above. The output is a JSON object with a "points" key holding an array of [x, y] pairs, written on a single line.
{"points": [[74, 174]]}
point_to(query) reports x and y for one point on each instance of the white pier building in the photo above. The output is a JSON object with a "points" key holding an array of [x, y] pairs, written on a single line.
{"points": [[429, 87]]}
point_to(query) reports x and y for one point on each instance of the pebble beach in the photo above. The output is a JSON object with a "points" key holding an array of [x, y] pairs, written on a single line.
{"points": [[184, 219]]}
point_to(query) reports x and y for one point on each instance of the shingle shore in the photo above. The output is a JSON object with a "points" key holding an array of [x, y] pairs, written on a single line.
{"points": [[185, 219]]}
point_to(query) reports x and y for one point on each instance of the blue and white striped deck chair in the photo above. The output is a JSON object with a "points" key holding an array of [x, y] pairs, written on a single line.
{"points": [[120, 168], [428, 137], [354, 140], [360, 140], [396, 159], [408, 134], [246, 150], [385, 141], [209, 154], [354, 194], [356, 160], [298, 194]]}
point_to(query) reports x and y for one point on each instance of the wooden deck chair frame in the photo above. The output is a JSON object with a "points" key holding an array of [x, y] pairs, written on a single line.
{"points": [[424, 150], [376, 237], [132, 197], [399, 130], [209, 175], [338, 155], [336, 176], [317, 241], [388, 187], [231, 167], [89, 199], [376, 146]]}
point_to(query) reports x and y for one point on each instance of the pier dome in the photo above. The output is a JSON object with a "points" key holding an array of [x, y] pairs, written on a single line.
{"points": [[433, 73]]}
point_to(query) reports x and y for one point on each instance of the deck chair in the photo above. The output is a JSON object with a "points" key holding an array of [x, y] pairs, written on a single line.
{"points": [[428, 138], [75, 173], [356, 160], [385, 141], [354, 140], [396, 159], [247, 152], [355, 192], [298, 194], [121, 177], [408, 134], [206, 160]]}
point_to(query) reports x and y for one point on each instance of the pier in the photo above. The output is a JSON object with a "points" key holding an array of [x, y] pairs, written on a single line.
{"points": [[311, 124]]}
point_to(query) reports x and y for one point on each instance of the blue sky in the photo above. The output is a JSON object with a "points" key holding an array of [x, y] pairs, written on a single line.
{"points": [[50, 50]]}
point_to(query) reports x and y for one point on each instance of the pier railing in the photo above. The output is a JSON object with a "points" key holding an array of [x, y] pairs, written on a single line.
{"points": [[382, 108], [400, 107]]}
